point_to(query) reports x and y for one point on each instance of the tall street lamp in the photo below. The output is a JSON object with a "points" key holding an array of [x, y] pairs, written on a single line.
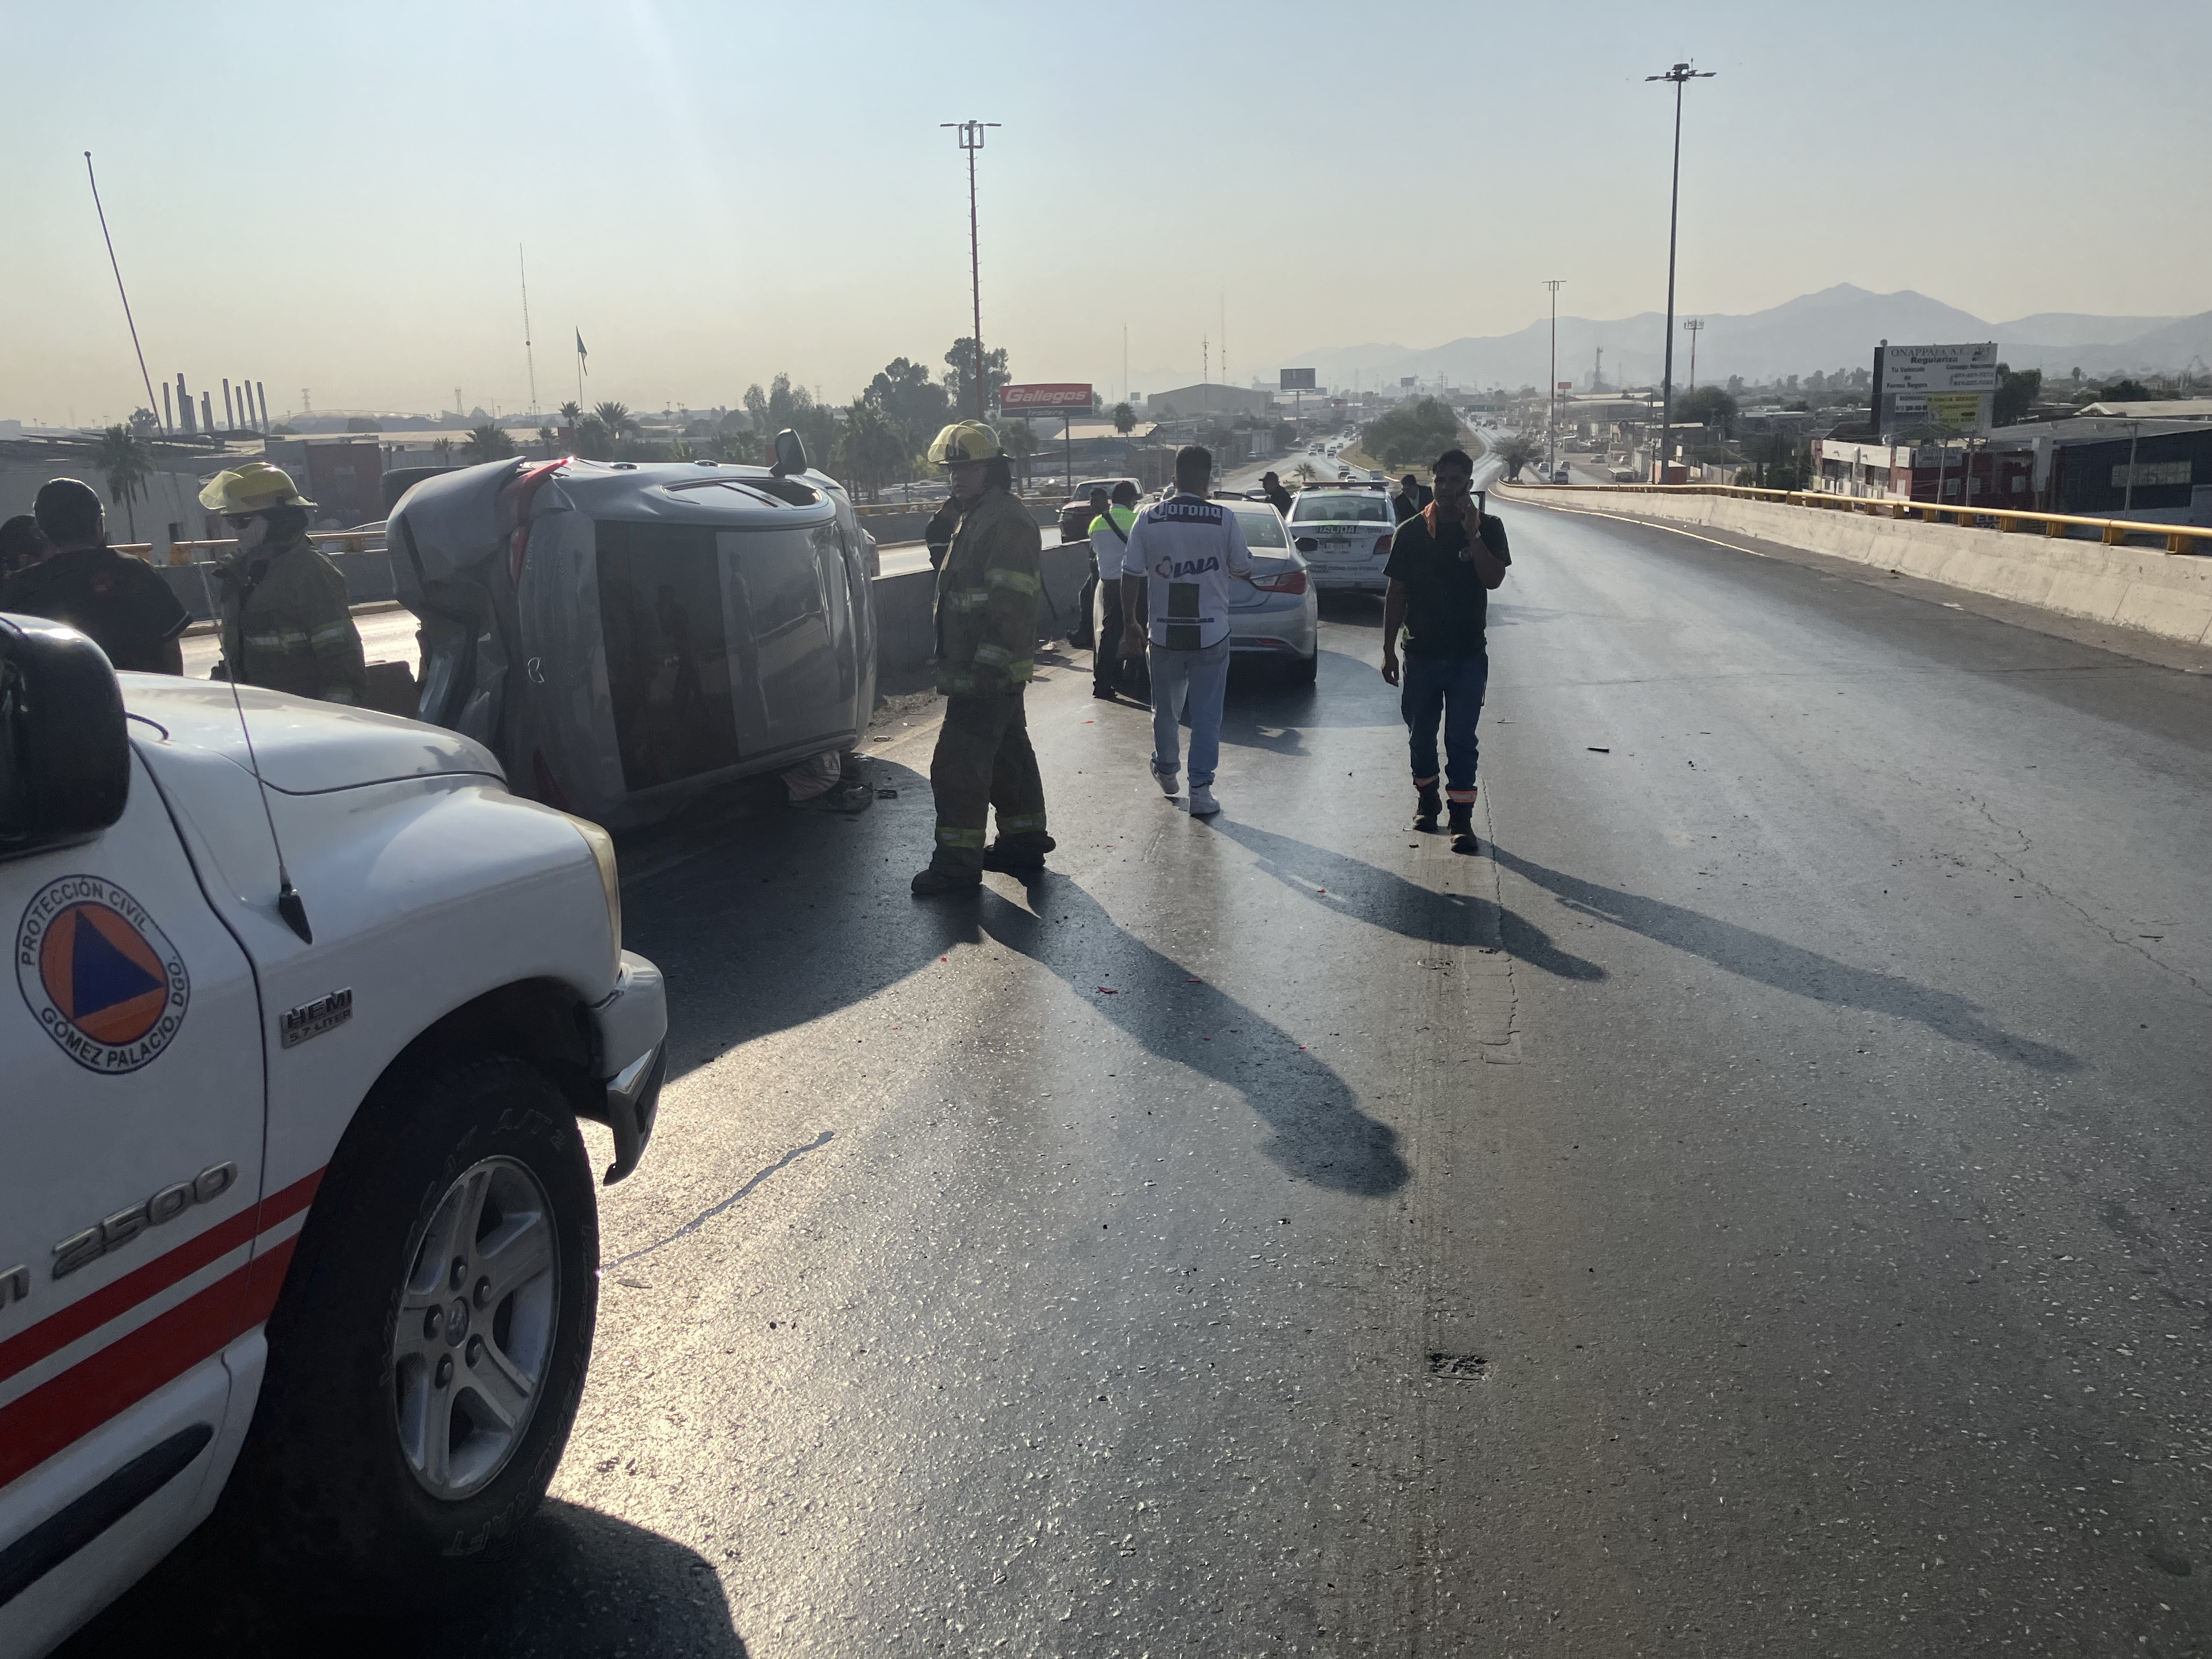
{"points": [[1679, 74], [971, 140], [1552, 424]]}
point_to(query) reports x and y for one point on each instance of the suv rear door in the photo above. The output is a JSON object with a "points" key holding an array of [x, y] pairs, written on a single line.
{"points": [[130, 1199]]}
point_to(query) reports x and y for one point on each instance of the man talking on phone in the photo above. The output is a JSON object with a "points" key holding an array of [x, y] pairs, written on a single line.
{"points": [[1444, 560]]}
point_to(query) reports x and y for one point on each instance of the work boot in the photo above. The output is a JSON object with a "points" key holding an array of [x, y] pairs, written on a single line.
{"points": [[933, 882], [1427, 806], [1462, 830], [1018, 855]]}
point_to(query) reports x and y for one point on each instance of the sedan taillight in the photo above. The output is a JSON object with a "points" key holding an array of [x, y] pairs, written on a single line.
{"points": [[1287, 581], [1382, 545]]}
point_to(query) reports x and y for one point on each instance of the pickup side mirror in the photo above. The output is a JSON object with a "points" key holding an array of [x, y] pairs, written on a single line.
{"points": [[790, 453], [64, 756]]}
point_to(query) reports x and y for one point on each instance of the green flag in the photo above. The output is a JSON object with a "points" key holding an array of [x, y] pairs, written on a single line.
{"points": [[583, 357]]}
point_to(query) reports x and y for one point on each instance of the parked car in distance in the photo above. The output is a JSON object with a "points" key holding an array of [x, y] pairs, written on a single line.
{"points": [[1344, 531]]}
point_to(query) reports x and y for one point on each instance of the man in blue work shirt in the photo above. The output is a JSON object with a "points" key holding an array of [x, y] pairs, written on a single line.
{"points": [[1181, 556], [1444, 560]]}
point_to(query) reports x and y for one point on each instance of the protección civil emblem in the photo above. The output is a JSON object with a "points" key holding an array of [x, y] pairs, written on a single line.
{"points": [[100, 975]]}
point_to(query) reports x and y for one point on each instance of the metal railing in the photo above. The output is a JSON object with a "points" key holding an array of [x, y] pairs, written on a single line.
{"points": [[2191, 539], [180, 552]]}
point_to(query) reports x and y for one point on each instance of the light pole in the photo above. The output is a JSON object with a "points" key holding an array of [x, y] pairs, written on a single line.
{"points": [[1693, 327], [971, 140], [1552, 386], [1679, 74]]}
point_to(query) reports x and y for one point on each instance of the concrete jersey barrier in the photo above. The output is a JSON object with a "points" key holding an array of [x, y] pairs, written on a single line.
{"points": [[2164, 593]]}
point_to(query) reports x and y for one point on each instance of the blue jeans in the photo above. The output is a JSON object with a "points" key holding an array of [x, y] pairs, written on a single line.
{"points": [[1450, 688], [1202, 675]]}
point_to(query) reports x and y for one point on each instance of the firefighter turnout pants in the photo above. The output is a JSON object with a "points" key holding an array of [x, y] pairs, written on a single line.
{"points": [[984, 761]]}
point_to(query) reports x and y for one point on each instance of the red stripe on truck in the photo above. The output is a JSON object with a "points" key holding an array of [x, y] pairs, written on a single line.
{"points": [[62, 1327]]}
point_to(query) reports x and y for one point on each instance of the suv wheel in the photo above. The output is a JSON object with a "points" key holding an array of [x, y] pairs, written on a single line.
{"points": [[428, 1354]]}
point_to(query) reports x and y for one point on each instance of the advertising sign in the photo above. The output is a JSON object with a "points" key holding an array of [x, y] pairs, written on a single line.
{"points": [[1057, 397], [1296, 379], [1951, 386]]}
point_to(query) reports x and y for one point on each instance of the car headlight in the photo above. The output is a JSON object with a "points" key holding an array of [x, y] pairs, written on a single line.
{"points": [[602, 854]]}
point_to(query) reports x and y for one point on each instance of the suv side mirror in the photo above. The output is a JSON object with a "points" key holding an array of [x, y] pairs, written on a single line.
{"points": [[64, 756], [790, 453]]}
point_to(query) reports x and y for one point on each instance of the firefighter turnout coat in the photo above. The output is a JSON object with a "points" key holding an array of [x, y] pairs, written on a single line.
{"points": [[986, 599], [286, 625]]}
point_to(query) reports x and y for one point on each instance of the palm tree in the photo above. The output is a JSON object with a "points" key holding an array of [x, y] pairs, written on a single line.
{"points": [[443, 449], [488, 442], [618, 421], [1516, 451], [124, 462], [548, 441], [1125, 419], [1306, 470], [570, 414], [592, 440], [869, 447]]}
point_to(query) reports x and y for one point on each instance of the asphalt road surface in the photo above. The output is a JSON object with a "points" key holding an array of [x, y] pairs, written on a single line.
{"points": [[1758, 1206]]}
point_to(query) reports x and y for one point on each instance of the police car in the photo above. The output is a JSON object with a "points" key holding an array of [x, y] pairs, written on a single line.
{"points": [[1344, 529], [295, 1212]]}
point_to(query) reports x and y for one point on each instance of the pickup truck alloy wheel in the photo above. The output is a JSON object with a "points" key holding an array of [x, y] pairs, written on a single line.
{"points": [[475, 1328], [427, 1353]]}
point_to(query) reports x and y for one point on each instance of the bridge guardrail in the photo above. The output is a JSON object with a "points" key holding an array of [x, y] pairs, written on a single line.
{"points": [[2192, 540]]}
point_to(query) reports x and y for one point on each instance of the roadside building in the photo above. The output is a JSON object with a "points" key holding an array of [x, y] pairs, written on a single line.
{"points": [[2158, 472], [343, 475], [1191, 402]]}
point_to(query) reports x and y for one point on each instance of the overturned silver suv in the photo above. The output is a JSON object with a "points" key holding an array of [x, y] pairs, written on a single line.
{"points": [[624, 636]]}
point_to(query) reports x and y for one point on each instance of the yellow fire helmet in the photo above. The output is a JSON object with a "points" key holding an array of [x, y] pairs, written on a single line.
{"points": [[253, 488], [964, 440]]}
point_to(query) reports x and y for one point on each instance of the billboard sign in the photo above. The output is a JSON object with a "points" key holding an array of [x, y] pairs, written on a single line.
{"points": [[1951, 386], [1062, 397], [1296, 379]]}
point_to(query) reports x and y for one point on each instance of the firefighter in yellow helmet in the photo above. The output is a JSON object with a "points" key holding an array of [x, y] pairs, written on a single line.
{"points": [[286, 625], [987, 603]]}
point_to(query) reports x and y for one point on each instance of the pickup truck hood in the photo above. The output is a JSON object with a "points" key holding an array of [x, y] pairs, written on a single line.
{"points": [[305, 747]]}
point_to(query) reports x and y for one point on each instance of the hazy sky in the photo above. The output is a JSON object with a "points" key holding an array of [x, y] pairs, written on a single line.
{"points": [[331, 195]]}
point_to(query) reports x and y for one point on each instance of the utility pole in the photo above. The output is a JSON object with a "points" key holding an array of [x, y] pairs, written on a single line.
{"points": [[1552, 386], [115, 265], [1694, 327], [971, 140], [528, 356], [1679, 74]]}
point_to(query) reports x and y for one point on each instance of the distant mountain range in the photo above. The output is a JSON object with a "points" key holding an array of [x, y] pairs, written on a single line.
{"points": [[1837, 328]]}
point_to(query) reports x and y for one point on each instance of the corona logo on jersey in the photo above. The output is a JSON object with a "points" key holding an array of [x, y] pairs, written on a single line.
{"points": [[100, 975]]}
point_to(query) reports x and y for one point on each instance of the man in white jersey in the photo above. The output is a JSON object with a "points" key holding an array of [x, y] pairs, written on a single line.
{"points": [[1181, 555]]}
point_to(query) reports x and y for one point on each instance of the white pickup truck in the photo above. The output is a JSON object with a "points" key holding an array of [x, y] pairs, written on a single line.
{"points": [[295, 1215]]}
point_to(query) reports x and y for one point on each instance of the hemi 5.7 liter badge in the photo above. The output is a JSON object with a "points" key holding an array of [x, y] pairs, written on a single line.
{"points": [[312, 1019]]}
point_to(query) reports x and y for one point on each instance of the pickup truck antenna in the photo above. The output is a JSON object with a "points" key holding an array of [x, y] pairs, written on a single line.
{"points": [[288, 903]]}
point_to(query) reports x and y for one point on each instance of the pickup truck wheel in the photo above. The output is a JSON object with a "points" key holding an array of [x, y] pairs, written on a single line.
{"points": [[427, 1356]]}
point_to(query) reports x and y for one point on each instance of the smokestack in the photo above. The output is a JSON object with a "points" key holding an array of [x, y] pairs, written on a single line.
{"points": [[262, 392], [207, 414], [169, 419], [229, 410], [185, 406]]}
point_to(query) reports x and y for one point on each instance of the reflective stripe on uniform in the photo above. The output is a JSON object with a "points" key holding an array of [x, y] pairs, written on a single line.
{"points": [[1022, 671], [951, 835], [994, 656], [1460, 797], [968, 599], [290, 639], [1019, 580], [1020, 825], [332, 633]]}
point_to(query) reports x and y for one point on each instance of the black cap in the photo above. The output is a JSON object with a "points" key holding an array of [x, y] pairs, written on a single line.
{"points": [[68, 511]]}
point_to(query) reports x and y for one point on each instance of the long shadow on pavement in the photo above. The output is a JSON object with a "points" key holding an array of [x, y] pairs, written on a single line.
{"points": [[1771, 960], [1321, 1135], [579, 1584], [1366, 892]]}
